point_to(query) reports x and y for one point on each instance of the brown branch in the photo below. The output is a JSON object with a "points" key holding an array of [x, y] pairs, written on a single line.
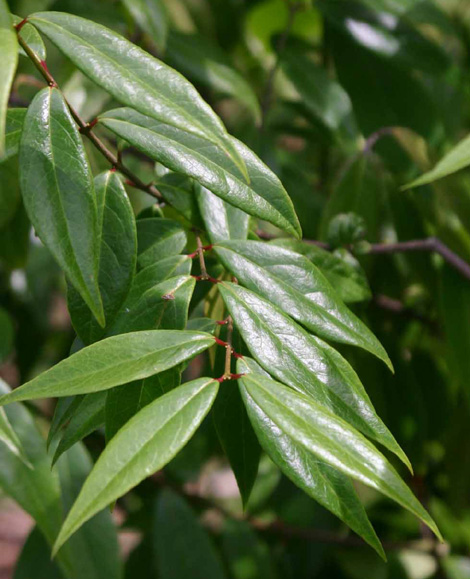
{"points": [[431, 244], [86, 128]]}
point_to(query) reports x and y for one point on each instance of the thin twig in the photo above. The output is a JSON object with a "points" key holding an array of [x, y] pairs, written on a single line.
{"points": [[228, 348], [202, 263], [86, 128]]}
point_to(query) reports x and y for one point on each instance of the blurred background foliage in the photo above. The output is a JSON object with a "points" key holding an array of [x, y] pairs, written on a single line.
{"points": [[347, 101]]}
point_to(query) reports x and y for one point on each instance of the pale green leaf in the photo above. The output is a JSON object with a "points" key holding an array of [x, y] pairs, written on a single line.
{"points": [[113, 361], [151, 16], [144, 445]]}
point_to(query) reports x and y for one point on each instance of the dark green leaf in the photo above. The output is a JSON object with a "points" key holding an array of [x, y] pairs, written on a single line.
{"points": [[184, 549], [262, 196], [152, 87], [13, 129], [7, 334], [35, 559], [164, 305], [320, 481], [144, 445], [321, 97], [340, 268], [88, 416], [58, 193], [117, 259], [222, 220], [151, 16], [94, 549], [10, 196], [177, 190], [304, 362], [158, 238], [330, 439], [14, 240], [293, 283], [200, 60], [125, 401], [112, 362], [32, 38], [8, 62]]}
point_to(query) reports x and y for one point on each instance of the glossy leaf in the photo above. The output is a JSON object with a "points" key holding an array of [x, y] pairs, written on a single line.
{"points": [[144, 445], [58, 193], [200, 60], [330, 439], [153, 88], [177, 191], [8, 63], [233, 427], [32, 38], [151, 16], [320, 481], [456, 159], [184, 549], [339, 267], [293, 283], [304, 362], [125, 401], [262, 195], [222, 220], [164, 306], [112, 362], [117, 259], [159, 238], [13, 128], [88, 416]]}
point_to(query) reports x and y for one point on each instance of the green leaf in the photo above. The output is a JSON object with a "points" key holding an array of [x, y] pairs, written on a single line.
{"points": [[321, 97], [340, 268], [164, 305], [117, 259], [177, 191], [320, 481], [262, 196], [32, 38], [8, 63], [35, 559], [13, 129], [112, 362], [222, 220], [330, 439], [88, 416], [293, 283], [9, 438], [456, 159], [204, 62], [158, 238], [14, 239], [144, 445], [233, 427], [151, 16], [58, 193], [152, 87], [304, 362], [94, 549], [184, 549], [125, 401]]}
